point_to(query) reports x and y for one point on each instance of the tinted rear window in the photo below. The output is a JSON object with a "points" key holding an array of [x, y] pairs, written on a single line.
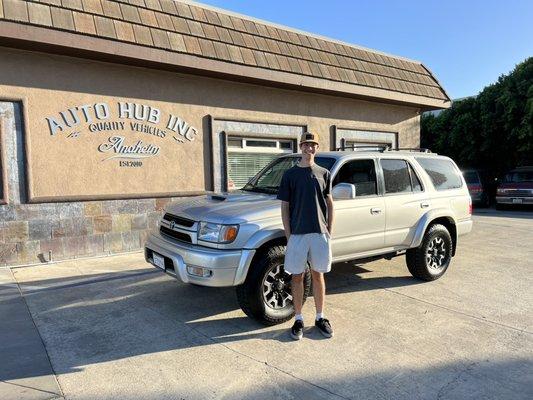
{"points": [[396, 174], [519, 176], [443, 173]]}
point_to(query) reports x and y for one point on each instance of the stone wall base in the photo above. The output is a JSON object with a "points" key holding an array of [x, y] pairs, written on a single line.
{"points": [[40, 233]]}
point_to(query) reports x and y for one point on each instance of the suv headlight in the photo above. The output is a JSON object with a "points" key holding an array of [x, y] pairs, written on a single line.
{"points": [[217, 233]]}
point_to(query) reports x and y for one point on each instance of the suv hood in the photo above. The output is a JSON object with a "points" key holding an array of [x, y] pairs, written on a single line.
{"points": [[227, 208]]}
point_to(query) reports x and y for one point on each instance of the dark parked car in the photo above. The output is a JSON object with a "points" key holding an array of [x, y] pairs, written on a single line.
{"points": [[516, 188], [477, 187]]}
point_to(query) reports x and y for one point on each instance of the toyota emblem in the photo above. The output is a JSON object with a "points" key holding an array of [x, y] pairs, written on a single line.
{"points": [[172, 225]]}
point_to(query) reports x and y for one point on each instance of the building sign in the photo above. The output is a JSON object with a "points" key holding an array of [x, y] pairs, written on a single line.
{"points": [[115, 122], [83, 147]]}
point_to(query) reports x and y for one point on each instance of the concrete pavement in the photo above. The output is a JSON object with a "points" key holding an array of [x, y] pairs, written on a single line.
{"points": [[25, 370], [117, 328]]}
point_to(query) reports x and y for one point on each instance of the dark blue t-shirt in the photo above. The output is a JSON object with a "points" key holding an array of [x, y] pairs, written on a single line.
{"points": [[306, 189]]}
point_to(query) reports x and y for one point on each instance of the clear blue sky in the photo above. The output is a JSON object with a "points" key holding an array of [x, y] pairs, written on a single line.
{"points": [[467, 44]]}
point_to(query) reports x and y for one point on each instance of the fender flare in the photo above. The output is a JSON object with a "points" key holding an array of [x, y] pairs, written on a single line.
{"points": [[257, 240], [263, 236], [424, 222]]}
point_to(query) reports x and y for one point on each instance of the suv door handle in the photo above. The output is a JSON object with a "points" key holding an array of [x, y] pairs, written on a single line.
{"points": [[424, 204], [375, 210]]}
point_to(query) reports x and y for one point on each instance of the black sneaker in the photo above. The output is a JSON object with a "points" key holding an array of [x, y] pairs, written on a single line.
{"points": [[324, 327], [297, 330]]}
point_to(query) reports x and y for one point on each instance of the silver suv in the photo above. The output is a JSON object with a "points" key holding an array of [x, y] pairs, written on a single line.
{"points": [[387, 203]]}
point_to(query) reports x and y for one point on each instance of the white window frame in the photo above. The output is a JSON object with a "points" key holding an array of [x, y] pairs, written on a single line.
{"points": [[366, 137], [258, 149], [223, 127]]}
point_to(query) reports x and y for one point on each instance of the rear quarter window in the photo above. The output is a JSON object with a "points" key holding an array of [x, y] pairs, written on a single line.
{"points": [[396, 175], [443, 173]]}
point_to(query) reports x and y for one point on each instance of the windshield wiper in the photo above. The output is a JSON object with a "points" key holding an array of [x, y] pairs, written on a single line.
{"points": [[257, 189], [263, 189], [269, 189]]}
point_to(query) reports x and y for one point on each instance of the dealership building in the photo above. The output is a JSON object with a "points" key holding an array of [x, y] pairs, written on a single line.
{"points": [[111, 109]]}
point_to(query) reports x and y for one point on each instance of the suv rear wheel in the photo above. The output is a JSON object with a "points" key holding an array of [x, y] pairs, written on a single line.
{"points": [[266, 295], [431, 259]]}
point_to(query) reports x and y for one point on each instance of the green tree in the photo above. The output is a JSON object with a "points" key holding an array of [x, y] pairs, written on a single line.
{"points": [[492, 131]]}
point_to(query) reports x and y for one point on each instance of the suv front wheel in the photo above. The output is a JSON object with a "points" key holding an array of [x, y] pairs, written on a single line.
{"points": [[431, 259], [266, 295]]}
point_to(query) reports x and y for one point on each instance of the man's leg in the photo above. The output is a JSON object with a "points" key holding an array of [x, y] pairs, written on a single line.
{"points": [[295, 261], [297, 286], [319, 290], [321, 263]]}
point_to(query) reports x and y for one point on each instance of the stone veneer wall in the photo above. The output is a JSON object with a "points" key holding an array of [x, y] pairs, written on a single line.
{"points": [[31, 233]]}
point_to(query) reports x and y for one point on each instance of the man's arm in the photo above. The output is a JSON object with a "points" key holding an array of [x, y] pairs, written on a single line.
{"points": [[331, 213], [285, 217]]}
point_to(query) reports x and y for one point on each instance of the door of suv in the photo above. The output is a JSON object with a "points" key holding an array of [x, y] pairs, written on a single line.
{"points": [[360, 222], [406, 201]]}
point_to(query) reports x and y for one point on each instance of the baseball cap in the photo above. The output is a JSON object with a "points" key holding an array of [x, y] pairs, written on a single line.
{"points": [[308, 137]]}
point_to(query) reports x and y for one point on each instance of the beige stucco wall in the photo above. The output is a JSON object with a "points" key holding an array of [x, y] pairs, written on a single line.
{"points": [[66, 168]]}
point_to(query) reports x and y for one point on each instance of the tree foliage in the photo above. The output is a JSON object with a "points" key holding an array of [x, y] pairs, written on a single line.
{"points": [[493, 131]]}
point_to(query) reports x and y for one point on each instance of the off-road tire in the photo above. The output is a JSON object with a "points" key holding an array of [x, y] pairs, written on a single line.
{"points": [[421, 261], [250, 293]]}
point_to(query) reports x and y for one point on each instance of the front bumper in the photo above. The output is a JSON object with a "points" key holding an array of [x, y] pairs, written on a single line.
{"points": [[514, 199], [228, 267]]}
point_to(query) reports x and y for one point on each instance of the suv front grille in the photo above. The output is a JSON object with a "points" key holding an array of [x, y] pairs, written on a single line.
{"points": [[183, 237], [179, 220]]}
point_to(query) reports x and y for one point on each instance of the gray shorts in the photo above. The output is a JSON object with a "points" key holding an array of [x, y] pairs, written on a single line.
{"points": [[312, 247]]}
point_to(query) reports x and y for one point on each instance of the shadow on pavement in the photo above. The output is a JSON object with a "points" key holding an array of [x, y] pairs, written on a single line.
{"points": [[87, 319], [98, 318], [345, 277]]}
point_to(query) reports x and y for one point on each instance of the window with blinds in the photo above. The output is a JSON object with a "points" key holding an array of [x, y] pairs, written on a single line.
{"points": [[247, 156]]}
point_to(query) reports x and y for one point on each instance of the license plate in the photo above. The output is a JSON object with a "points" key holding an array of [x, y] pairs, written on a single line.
{"points": [[159, 261], [517, 201]]}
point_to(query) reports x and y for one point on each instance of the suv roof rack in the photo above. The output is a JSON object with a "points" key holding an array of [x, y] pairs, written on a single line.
{"points": [[379, 147], [369, 147], [413, 149]]}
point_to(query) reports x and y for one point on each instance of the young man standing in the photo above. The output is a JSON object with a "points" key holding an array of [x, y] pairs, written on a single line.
{"points": [[307, 213]]}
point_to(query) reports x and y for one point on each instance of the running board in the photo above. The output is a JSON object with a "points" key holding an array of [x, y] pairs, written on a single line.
{"points": [[390, 256]]}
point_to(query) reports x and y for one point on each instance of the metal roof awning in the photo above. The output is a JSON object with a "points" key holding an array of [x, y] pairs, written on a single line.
{"points": [[189, 37]]}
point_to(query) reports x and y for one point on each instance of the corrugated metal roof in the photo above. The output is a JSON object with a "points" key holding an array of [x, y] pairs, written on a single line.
{"points": [[209, 33]]}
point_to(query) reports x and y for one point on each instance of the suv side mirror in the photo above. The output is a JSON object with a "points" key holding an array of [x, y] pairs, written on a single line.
{"points": [[343, 191]]}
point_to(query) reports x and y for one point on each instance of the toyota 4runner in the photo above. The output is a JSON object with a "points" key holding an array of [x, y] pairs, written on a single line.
{"points": [[387, 203]]}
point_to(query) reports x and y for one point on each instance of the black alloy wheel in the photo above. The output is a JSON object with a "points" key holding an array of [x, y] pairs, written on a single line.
{"points": [[277, 288], [432, 258], [266, 295]]}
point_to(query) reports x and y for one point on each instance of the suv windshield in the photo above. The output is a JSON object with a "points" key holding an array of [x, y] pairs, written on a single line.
{"points": [[518, 176], [269, 178]]}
